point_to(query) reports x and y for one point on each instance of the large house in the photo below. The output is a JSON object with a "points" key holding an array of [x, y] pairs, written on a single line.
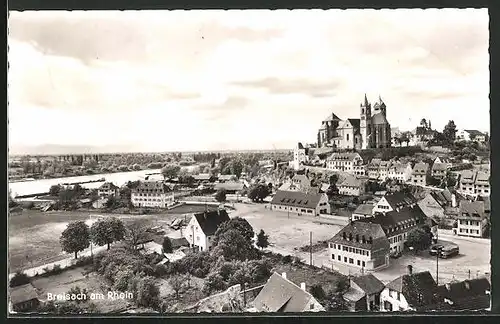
{"points": [[280, 295], [468, 295], [371, 130], [364, 293], [202, 227], [474, 183], [472, 220], [410, 292], [154, 194], [398, 223], [108, 189], [351, 186], [24, 298], [400, 172], [438, 170], [391, 201], [346, 162], [420, 173], [300, 203], [435, 203], [470, 135], [360, 244]]}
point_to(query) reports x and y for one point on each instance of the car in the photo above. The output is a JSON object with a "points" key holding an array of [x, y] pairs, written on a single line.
{"points": [[435, 248]]}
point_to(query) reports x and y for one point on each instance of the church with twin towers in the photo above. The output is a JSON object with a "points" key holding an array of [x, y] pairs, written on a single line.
{"points": [[370, 130]]}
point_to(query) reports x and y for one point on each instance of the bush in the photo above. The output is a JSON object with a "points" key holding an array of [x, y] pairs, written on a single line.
{"points": [[19, 279], [160, 270], [148, 293], [213, 283], [287, 259], [122, 279]]}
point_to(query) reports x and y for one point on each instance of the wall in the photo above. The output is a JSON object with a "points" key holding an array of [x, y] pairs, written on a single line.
{"points": [[397, 305], [188, 234], [379, 207]]}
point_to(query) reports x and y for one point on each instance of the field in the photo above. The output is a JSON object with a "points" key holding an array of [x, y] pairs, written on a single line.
{"points": [[63, 282], [34, 236]]}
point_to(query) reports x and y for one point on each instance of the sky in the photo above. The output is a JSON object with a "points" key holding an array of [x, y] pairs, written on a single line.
{"points": [[217, 80]]}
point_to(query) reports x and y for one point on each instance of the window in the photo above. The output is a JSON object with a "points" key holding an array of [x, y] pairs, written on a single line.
{"points": [[345, 259], [333, 256], [351, 261], [363, 263], [339, 258], [359, 263], [311, 306]]}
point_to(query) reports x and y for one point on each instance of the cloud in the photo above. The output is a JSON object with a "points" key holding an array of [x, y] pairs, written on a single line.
{"points": [[313, 88]]}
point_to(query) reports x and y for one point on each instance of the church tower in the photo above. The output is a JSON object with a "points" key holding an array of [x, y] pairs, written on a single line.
{"points": [[365, 123]]}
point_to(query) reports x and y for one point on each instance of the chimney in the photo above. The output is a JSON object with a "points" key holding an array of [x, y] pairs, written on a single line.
{"points": [[283, 275], [448, 286], [303, 286], [453, 200], [410, 269]]}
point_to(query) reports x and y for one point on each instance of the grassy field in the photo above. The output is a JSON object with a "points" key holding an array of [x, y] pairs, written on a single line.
{"points": [[34, 236]]}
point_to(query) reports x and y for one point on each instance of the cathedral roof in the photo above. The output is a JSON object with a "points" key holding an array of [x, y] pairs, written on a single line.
{"points": [[354, 122], [331, 117], [379, 119]]}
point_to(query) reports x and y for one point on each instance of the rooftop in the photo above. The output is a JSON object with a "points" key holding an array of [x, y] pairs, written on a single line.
{"points": [[363, 235], [364, 209], [419, 288], [209, 221], [22, 294], [369, 284], [296, 199]]}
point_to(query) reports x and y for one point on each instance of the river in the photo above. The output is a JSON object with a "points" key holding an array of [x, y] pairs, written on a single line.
{"points": [[119, 178]]}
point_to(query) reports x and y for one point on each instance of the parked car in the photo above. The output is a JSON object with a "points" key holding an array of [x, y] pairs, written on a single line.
{"points": [[449, 251], [396, 255], [435, 248]]}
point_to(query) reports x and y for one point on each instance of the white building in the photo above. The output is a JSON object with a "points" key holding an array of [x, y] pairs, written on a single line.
{"points": [[420, 173], [470, 135], [300, 156], [300, 203], [475, 183], [108, 189], [391, 201], [409, 292], [153, 194], [351, 186], [472, 219], [400, 172], [346, 162], [202, 227]]}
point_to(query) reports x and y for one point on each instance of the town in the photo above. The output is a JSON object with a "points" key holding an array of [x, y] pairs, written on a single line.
{"points": [[367, 219]]}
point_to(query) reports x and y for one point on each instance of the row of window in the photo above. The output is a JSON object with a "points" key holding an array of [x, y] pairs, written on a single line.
{"points": [[350, 260], [309, 211], [397, 239], [469, 222], [350, 249], [469, 231]]}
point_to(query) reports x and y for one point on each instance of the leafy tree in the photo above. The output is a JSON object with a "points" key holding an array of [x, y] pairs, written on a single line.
{"points": [[170, 171], [262, 239], [177, 284], [419, 239], [232, 245], [423, 123], [258, 192], [239, 224], [19, 279], [54, 190], [77, 290], [111, 202], [167, 245], [335, 302], [213, 283], [122, 278], [449, 132], [147, 293], [220, 196], [75, 238], [135, 232], [107, 231], [236, 168], [317, 291]]}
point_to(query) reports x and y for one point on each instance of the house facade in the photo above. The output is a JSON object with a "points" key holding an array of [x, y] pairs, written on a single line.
{"points": [[202, 227], [431, 206], [24, 298], [438, 170], [360, 245], [471, 220], [153, 194], [351, 186], [108, 189], [300, 203], [390, 201], [300, 156], [474, 183], [346, 162], [400, 172], [420, 173], [470, 135], [364, 293], [409, 292], [362, 211]]}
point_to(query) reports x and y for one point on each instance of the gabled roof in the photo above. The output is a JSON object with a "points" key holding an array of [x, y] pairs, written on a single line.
{"points": [[399, 198], [482, 177], [465, 289], [281, 295], [354, 122], [179, 242], [296, 199], [419, 289], [202, 176], [343, 156], [474, 132], [421, 168], [209, 221], [331, 117], [472, 208], [369, 284], [395, 218], [358, 230], [108, 186], [22, 294], [152, 185], [441, 197], [439, 167], [364, 209], [350, 181]]}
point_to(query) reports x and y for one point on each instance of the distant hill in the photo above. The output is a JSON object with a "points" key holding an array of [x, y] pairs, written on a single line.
{"points": [[54, 149]]}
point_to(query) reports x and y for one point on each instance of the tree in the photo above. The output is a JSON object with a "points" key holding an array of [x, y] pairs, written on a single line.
{"points": [[111, 202], [236, 167], [239, 224], [419, 239], [220, 196], [449, 132], [54, 190], [77, 290], [423, 123], [147, 293], [258, 192], [232, 245], [213, 283], [107, 231], [135, 232], [318, 292], [167, 245], [170, 171], [19, 279], [177, 283], [75, 238], [262, 239]]}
